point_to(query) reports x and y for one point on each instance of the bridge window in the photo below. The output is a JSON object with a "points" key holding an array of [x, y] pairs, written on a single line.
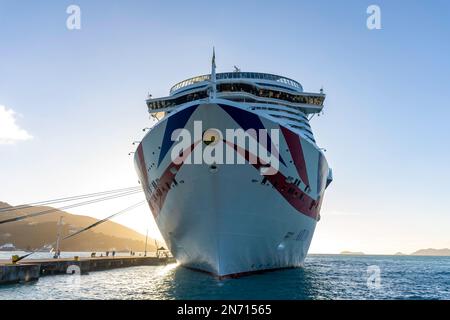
{"points": [[269, 93], [155, 105]]}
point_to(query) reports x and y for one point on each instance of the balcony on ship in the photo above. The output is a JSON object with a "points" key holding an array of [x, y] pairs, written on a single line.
{"points": [[247, 87]]}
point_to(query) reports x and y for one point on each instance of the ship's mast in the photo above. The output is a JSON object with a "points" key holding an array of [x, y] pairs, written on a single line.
{"points": [[213, 91]]}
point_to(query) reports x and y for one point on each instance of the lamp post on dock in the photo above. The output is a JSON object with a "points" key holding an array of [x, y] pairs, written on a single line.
{"points": [[146, 237], [58, 239]]}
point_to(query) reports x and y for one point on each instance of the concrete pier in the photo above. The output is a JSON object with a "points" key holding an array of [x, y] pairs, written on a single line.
{"points": [[29, 270], [12, 273]]}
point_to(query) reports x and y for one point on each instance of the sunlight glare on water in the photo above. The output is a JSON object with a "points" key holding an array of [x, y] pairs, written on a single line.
{"points": [[323, 277]]}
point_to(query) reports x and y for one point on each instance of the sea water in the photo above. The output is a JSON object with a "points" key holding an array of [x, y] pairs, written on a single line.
{"points": [[322, 277]]}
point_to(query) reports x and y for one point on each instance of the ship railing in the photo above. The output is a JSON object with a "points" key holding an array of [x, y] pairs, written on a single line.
{"points": [[237, 75], [304, 107]]}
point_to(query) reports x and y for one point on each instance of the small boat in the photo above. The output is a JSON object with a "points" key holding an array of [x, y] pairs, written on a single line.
{"points": [[8, 247]]}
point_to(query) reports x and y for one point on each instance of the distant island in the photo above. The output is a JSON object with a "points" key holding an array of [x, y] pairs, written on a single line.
{"points": [[432, 252], [352, 253], [37, 232], [422, 252]]}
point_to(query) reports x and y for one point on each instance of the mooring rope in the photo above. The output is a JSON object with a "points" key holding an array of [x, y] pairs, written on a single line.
{"points": [[105, 219], [86, 228], [67, 199], [35, 214]]}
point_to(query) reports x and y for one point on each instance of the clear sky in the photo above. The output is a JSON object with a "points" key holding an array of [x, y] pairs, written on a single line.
{"points": [[73, 101]]}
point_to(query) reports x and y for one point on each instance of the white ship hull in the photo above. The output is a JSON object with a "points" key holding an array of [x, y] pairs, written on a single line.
{"points": [[231, 220]]}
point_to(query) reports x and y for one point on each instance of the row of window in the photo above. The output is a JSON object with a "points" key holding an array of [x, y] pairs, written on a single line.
{"points": [[275, 86], [272, 94], [193, 89], [156, 105], [304, 127], [239, 87], [257, 75], [237, 75], [310, 136], [303, 121], [294, 108], [190, 81], [281, 110], [298, 109]]}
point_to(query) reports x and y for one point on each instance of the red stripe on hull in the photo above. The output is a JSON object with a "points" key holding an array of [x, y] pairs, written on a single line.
{"points": [[297, 198], [296, 150], [301, 201], [158, 196]]}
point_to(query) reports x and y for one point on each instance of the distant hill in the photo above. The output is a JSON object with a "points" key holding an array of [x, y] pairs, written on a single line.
{"points": [[34, 233], [432, 252], [357, 253]]}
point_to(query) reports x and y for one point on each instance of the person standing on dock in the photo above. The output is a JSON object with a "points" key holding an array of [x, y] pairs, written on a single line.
{"points": [[57, 254]]}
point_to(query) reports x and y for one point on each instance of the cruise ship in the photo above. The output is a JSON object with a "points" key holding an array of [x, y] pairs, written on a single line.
{"points": [[231, 219]]}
